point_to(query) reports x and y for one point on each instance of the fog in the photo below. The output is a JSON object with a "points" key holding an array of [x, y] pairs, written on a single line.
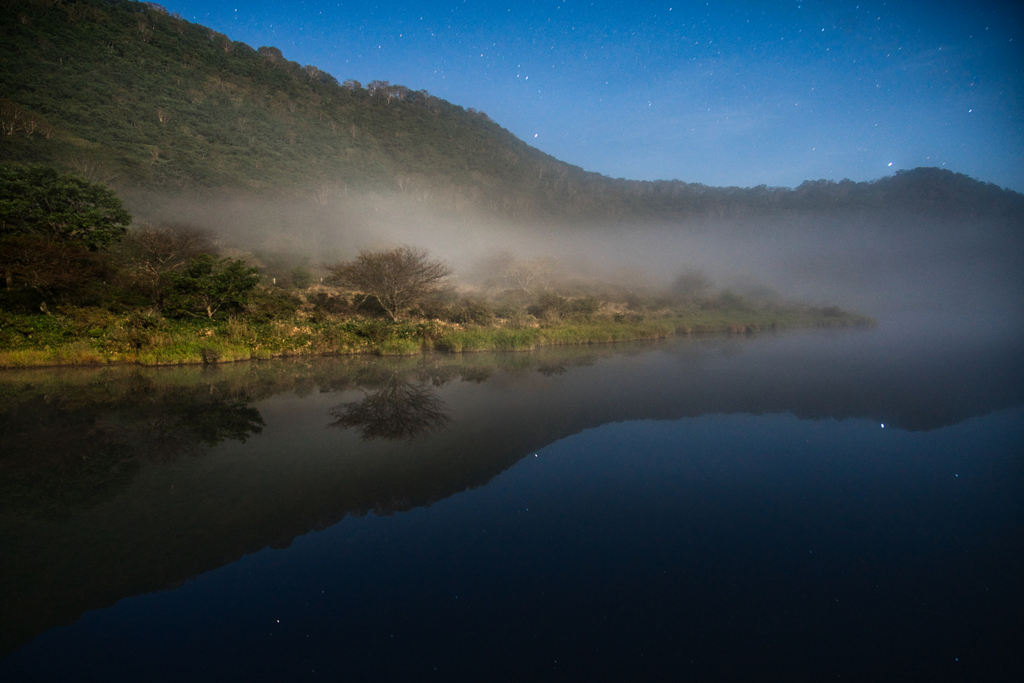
{"points": [[886, 266]]}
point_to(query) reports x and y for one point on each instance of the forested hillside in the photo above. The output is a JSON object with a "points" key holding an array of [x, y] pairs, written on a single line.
{"points": [[126, 93]]}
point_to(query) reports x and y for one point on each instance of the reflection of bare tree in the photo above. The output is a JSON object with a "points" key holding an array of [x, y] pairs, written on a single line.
{"points": [[398, 410]]}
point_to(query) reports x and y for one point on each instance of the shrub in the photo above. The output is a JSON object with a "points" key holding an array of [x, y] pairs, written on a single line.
{"points": [[210, 286], [368, 304], [266, 304], [548, 306], [471, 311], [584, 307], [301, 277], [332, 305]]}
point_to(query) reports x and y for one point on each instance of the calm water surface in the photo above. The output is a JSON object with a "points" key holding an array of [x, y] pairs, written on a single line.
{"points": [[818, 506]]}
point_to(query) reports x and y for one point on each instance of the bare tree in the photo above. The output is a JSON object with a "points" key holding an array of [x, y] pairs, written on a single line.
{"points": [[522, 274], [533, 274], [399, 278], [156, 251], [10, 117]]}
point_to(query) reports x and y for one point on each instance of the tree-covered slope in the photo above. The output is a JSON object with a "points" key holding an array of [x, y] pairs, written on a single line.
{"points": [[127, 93]]}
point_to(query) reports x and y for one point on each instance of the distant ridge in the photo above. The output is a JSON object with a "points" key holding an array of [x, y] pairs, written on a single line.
{"points": [[127, 93]]}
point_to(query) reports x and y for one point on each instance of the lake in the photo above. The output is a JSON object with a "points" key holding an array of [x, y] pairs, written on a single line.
{"points": [[821, 505]]}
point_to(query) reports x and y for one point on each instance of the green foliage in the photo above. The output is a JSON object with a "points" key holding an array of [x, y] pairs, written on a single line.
{"points": [[51, 226], [43, 203], [94, 336], [164, 102], [209, 286], [27, 331]]}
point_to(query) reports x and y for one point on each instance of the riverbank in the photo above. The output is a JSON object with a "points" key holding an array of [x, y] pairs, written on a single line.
{"points": [[83, 336]]}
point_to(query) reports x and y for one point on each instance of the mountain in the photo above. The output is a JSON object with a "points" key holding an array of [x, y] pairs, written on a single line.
{"points": [[127, 93]]}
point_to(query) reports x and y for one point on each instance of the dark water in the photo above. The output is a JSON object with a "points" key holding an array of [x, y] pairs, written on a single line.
{"points": [[697, 509]]}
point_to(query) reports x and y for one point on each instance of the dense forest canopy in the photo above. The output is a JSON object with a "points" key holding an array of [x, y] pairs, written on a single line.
{"points": [[127, 93]]}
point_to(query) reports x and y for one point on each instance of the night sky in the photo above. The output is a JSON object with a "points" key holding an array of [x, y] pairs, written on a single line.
{"points": [[721, 93]]}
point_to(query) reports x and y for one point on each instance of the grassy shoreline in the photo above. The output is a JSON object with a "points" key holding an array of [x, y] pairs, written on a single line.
{"points": [[95, 337]]}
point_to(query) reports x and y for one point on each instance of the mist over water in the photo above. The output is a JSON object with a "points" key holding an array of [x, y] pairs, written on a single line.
{"points": [[796, 502], [890, 266], [845, 499]]}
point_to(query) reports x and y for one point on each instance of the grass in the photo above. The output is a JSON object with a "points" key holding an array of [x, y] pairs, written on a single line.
{"points": [[95, 337]]}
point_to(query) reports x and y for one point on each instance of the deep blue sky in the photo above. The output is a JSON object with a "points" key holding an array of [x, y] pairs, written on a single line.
{"points": [[722, 93]]}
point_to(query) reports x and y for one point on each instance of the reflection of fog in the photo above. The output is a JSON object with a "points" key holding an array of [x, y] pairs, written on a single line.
{"points": [[398, 410]]}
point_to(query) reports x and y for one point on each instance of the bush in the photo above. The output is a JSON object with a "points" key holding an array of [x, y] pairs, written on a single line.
{"points": [[301, 277], [138, 330], [470, 311], [368, 305], [548, 306], [726, 301], [266, 304], [584, 307], [324, 303], [635, 302], [211, 286]]}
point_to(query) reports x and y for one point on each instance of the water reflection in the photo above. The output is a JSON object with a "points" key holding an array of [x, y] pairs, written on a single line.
{"points": [[68, 446], [182, 427], [397, 410], [168, 473]]}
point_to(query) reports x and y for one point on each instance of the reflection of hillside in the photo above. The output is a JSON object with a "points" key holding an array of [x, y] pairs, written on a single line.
{"points": [[173, 517]]}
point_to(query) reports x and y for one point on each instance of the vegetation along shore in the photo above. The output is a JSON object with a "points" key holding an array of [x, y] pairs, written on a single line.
{"points": [[82, 285]]}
